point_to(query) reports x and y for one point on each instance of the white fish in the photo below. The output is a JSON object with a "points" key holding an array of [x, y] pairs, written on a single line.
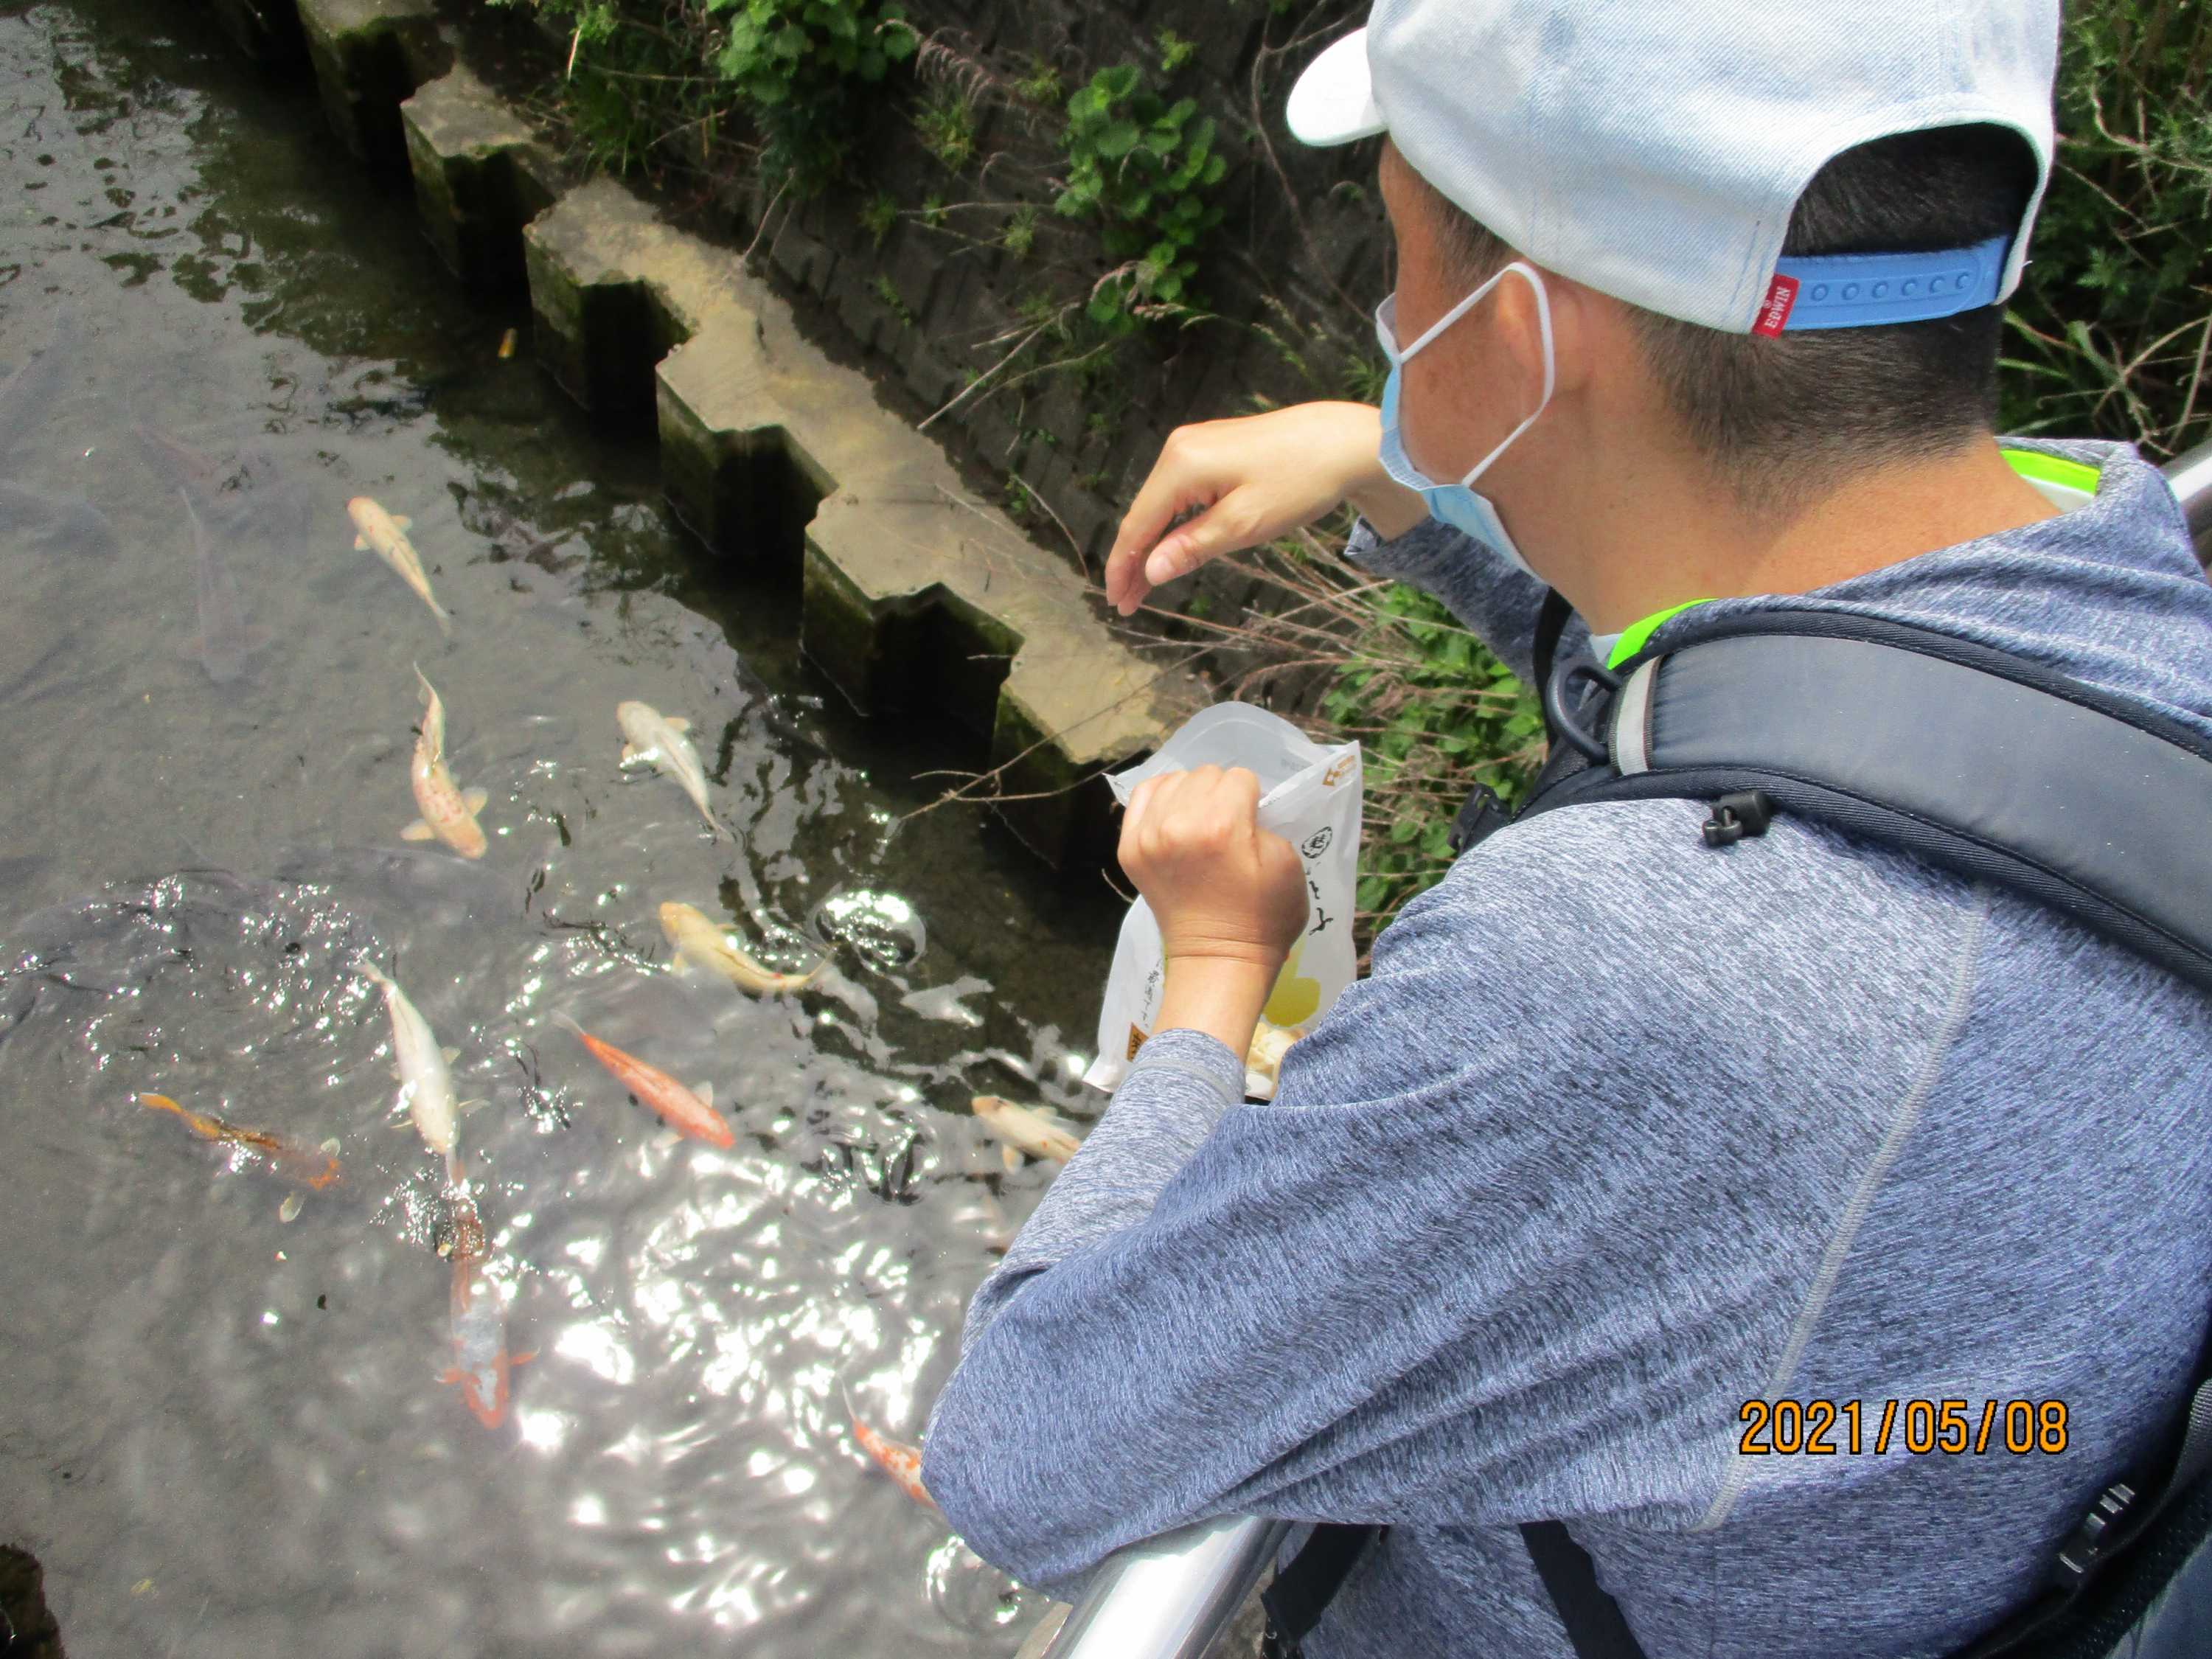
{"points": [[225, 641], [651, 737], [426, 1086], [449, 813], [699, 944], [1028, 1129], [387, 536]]}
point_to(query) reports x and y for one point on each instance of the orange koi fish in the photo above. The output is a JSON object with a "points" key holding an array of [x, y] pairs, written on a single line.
{"points": [[481, 1364], [316, 1168], [901, 1461], [690, 1110]]}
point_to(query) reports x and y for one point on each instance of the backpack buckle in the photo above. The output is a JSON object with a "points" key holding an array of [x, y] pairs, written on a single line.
{"points": [[2083, 1553], [1747, 812]]}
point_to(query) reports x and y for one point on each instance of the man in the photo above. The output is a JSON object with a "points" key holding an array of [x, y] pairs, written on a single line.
{"points": [[1630, 1144]]}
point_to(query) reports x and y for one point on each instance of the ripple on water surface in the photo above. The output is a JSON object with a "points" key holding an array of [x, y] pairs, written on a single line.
{"points": [[228, 1424]]}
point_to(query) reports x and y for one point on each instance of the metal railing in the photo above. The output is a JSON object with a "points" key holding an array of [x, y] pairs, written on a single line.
{"points": [[1173, 1596], [2191, 475]]}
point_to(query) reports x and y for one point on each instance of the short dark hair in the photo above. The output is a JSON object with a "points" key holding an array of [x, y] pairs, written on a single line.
{"points": [[1782, 417]]}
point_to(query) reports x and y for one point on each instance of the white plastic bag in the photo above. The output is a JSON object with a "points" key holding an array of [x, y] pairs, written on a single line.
{"points": [[1310, 795]]}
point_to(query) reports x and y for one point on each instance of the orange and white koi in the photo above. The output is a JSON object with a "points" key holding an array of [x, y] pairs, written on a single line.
{"points": [[387, 536], [690, 1110], [316, 1168], [482, 1365], [426, 1086], [1024, 1129], [901, 1461], [699, 944], [449, 813]]}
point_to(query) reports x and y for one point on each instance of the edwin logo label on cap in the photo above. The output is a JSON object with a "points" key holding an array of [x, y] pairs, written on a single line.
{"points": [[1774, 309]]}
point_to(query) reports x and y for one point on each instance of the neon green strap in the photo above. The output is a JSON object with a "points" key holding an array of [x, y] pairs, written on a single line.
{"points": [[2053, 470], [1632, 639]]}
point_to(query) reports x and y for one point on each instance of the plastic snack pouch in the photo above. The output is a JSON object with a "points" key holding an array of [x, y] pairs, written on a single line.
{"points": [[1310, 795]]}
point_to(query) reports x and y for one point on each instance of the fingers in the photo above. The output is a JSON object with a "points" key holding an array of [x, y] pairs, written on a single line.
{"points": [[1180, 480], [1207, 805]]}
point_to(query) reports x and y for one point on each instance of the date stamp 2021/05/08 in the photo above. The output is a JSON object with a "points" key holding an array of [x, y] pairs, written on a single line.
{"points": [[1825, 1428]]}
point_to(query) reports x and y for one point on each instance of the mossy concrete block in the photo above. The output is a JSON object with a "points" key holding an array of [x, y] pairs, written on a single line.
{"points": [[916, 598], [369, 55], [480, 176], [601, 325]]}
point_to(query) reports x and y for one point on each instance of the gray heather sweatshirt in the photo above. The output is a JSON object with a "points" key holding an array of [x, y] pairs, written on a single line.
{"points": [[1621, 1132]]}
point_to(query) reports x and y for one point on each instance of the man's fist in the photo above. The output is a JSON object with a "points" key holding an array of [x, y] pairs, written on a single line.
{"points": [[1220, 886]]}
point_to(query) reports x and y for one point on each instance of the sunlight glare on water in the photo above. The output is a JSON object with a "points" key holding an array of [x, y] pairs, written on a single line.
{"points": [[594, 1403]]}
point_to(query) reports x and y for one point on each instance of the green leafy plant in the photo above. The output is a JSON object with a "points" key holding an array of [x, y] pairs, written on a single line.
{"points": [[878, 215], [1143, 169], [1174, 50], [1019, 234], [801, 67], [1436, 714], [2111, 330], [1041, 84], [887, 295], [636, 91], [945, 119]]}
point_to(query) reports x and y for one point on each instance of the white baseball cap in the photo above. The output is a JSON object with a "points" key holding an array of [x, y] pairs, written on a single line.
{"points": [[1655, 151]]}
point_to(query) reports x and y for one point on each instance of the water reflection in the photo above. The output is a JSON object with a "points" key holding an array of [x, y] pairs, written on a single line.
{"points": [[585, 1391]]}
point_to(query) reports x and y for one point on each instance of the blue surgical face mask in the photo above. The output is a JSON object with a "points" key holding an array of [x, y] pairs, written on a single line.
{"points": [[1456, 504]]}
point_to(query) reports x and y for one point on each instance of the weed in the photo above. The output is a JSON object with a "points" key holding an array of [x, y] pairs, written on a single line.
{"points": [[878, 215], [1019, 235], [887, 293], [1041, 84], [945, 119], [801, 67], [1143, 168], [1174, 50]]}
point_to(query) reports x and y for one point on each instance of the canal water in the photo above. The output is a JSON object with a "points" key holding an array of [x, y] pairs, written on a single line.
{"points": [[224, 1431]]}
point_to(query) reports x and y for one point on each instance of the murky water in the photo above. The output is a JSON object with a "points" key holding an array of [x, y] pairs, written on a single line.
{"points": [[223, 1432]]}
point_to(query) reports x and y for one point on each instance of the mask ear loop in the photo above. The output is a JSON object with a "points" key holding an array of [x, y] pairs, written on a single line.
{"points": [[1390, 301], [1551, 365]]}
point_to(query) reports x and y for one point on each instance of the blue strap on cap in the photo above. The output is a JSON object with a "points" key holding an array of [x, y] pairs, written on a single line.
{"points": [[1857, 290]]}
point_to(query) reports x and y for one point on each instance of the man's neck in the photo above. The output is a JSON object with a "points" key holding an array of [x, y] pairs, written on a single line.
{"points": [[1636, 544]]}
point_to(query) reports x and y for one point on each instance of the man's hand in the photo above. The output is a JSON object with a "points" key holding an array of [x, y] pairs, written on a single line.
{"points": [[1256, 479], [1230, 897]]}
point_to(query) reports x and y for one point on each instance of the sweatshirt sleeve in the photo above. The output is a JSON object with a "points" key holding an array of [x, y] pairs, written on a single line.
{"points": [[1423, 1285], [1497, 603]]}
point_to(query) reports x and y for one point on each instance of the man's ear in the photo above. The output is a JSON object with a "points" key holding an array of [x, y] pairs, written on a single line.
{"points": [[1520, 327]]}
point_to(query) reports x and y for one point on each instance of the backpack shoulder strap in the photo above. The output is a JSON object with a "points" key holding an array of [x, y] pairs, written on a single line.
{"points": [[1974, 759]]}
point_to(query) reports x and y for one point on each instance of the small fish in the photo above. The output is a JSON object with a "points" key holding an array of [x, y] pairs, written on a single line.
{"points": [[426, 1086], [482, 1365], [1025, 1129], [901, 1461], [315, 1168], [449, 813], [29, 395], [657, 738], [699, 944], [225, 641], [387, 536], [60, 523], [690, 1110], [507, 342]]}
